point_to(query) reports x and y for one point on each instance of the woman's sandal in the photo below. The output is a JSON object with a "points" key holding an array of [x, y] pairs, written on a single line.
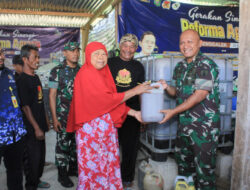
{"points": [[44, 185]]}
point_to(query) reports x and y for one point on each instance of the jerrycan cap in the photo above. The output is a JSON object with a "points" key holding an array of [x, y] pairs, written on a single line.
{"points": [[157, 90]]}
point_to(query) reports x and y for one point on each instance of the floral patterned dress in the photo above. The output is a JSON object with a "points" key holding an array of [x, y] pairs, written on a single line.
{"points": [[98, 155]]}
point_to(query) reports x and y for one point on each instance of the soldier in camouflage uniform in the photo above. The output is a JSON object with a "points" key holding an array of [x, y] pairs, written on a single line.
{"points": [[195, 85], [61, 89]]}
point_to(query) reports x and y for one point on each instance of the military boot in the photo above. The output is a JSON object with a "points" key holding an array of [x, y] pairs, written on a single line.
{"points": [[63, 177]]}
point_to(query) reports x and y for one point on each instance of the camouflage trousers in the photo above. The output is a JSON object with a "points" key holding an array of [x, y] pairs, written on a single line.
{"points": [[65, 149], [196, 155]]}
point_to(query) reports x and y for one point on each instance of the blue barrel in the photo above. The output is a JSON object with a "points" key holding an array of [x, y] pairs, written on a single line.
{"points": [[234, 103]]}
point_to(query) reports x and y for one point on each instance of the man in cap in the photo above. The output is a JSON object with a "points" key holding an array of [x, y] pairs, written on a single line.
{"points": [[12, 129], [127, 73], [61, 89], [196, 87]]}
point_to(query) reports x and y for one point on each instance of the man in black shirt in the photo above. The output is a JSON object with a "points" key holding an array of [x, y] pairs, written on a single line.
{"points": [[127, 73], [35, 118], [18, 65]]}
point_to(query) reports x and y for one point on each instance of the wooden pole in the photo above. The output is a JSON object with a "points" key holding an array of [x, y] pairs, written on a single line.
{"points": [[85, 37], [117, 13], [104, 6], [241, 158]]}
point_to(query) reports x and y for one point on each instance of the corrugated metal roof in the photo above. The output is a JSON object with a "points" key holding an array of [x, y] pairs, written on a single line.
{"points": [[67, 13], [104, 32], [71, 13], [84, 6], [212, 2]]}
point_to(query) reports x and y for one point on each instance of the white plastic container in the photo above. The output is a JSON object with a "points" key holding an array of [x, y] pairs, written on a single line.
{"points": [[144, 167], [152, 103], [166, 130], [161, 68], [153, 181], [164, 68], [225, 67], [223, 165], [168, 171]]}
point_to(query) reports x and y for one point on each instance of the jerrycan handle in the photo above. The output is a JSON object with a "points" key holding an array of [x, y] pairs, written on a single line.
{"points": [[156, 175], [179, 177], [181, 185], [158, 179], [157, 90]]}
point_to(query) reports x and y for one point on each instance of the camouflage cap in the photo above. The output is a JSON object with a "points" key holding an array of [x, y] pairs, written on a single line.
{"points": [[71, 46], [129, 38]]}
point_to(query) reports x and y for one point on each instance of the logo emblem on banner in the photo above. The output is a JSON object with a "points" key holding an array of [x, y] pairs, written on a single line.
{"points": [[166, 4], [157, 3], [176, 6]]}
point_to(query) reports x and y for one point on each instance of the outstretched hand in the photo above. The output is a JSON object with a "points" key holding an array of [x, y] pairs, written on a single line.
{"points": [[168, 115], [163, 83], [137, 116], [143, 88]]}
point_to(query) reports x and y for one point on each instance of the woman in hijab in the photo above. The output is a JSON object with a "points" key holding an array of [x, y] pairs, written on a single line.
{"points": [[96, 109]]}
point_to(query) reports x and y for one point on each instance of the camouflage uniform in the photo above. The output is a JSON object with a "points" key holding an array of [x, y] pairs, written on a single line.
{"points": [[198, 130], [62, 78]]}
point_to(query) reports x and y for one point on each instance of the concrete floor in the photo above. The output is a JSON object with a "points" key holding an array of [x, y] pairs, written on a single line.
{"points": [[50, 170]]}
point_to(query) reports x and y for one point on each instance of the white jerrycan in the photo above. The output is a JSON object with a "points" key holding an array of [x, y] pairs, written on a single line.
{"points": [[153, 181], [152, 103]]}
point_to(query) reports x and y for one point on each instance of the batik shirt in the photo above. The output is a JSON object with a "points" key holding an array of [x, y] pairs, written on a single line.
{"points": [[201, 74], [11, 122], [62, 78]]}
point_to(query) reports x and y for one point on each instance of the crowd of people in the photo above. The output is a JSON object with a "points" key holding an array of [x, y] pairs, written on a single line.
{"points": [[96, 114]]}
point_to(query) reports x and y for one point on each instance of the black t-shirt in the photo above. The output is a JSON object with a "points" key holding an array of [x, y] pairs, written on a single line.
{"points": [[127, 75], [31, 94], [16, 76]]}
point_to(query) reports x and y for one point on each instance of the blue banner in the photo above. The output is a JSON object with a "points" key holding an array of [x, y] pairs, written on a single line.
{"points": [[49, 40], [217, 26]]}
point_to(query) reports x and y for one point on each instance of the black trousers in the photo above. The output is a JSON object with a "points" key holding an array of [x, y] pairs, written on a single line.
{"points": [[12, 156], [129, 135], [34, 159]]}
